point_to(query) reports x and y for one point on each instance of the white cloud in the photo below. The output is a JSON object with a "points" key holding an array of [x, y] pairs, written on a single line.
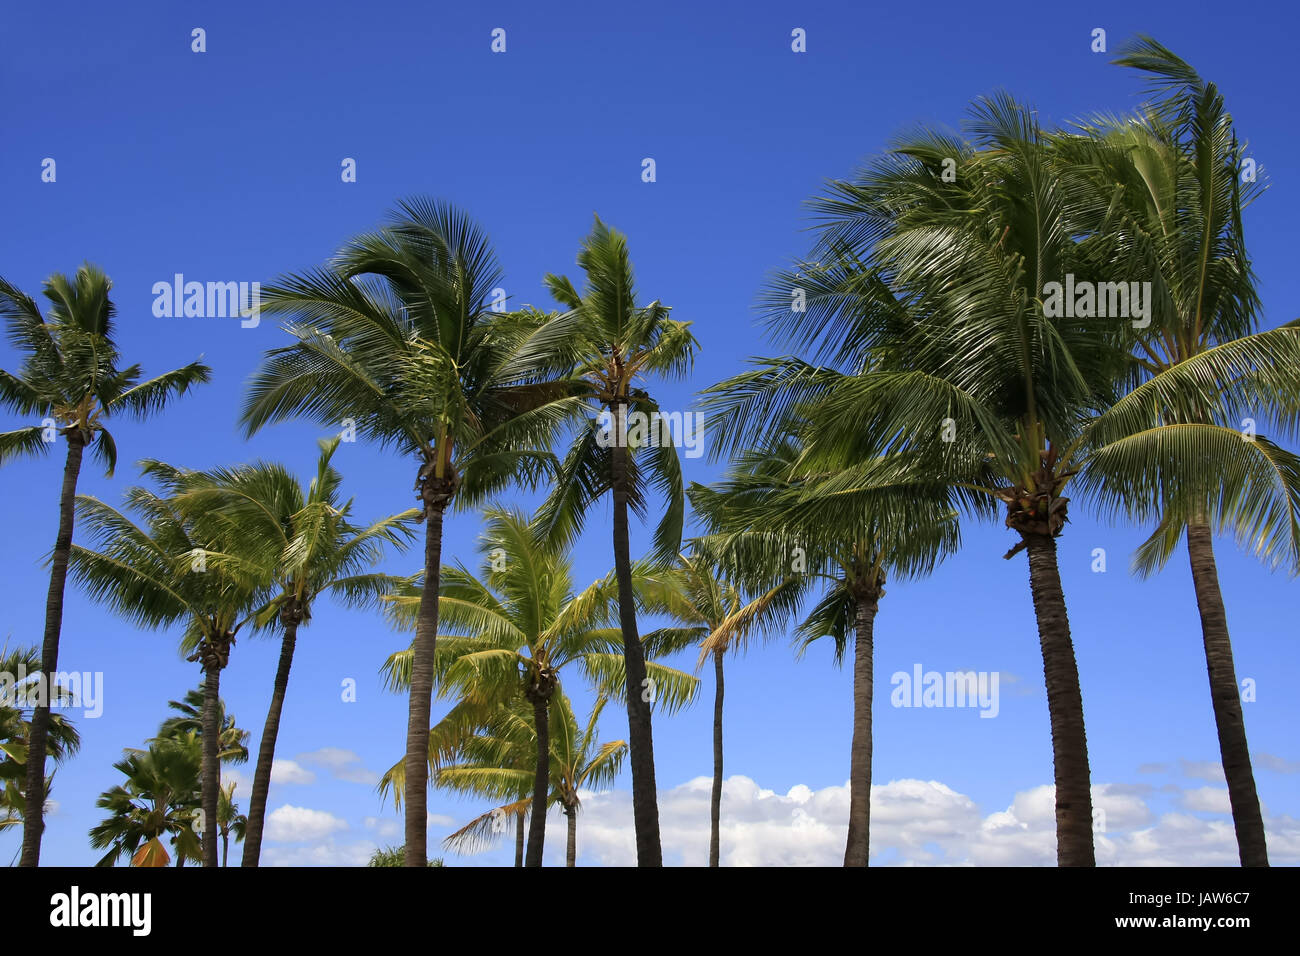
{"points": [[290, 824], [323, 854], [1202, 770], [1276, 764], [384, 827], [341, 764], [1207, 800], [290, 771]]}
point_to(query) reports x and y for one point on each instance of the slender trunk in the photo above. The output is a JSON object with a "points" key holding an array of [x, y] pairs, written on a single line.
{"points": [[519, 839], [715, 802], [1064, 706], [857, 850], [34, 812], [645, 805], [266, 750], [211, 775], [1228, 718], [571, 852], [417, 723], [541, 782], [225, 848]]}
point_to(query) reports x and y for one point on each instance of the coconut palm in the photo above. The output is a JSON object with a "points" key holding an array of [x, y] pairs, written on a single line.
{"points": [[172, 569], [615, 345], [230, 822], [19, 668], [522, 623], [924, 303], [232, 740], [158, 800], [395, 337], [838, 534], [311, 547], [1180, 449], [707, 606], [71, 378]]}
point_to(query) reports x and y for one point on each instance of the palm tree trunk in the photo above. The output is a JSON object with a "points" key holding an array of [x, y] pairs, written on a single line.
{"points": [[211, 771], [645, 804], [857, 851], [225, 848], [1064, 706], [266, 750], [33, 814], [417, 723], [715, 801], [541, 782], [571, 852], [519, 839], [1228, 718]]}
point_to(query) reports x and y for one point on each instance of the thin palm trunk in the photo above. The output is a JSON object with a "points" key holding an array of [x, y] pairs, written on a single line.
{"points": [[211, 772], [1228, 718], [715, 802], [1064, 706], [519, 839], [266, 750], [857, 851], [225, 848], [33, 814], [645, 805], [571, 852], [421, 701], [541, 782]]}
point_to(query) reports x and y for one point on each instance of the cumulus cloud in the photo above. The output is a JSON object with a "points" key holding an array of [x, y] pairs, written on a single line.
{"points": [[290, 824], [322, 854], [1210, 770], [341, 764], [914, 823], [290, 771]]}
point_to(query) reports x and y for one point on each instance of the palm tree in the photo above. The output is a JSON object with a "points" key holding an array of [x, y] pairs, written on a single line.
{"points": [[924, 302], [847, 531], [496, 762], [709, 607], [614, 344], [522, 623], [16, 705], [174, 570], [1172, 449], [311, 548], [230, 822], [72, 380], [395, 336], [159, 799]]}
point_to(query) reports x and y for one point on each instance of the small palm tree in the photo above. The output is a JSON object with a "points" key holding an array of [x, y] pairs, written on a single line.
{"points": [[158, 800], [72, 379], [232, 740], [311, 548], [396, 337], [230, 822], [710, 608], [173, 569], [17, 702], [614, 344], [522, 623]]}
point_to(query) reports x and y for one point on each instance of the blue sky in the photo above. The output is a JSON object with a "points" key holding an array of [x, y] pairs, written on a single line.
{"points": [[225, 165]]}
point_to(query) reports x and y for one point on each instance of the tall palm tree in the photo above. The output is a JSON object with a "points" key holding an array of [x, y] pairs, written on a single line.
{"points": [[614, 345], [924, 302], [174, 569], [311, 548], [159, 799], [843, 532], [395, 336], [16, 707], [1172, 449], [522, 623], [707, 606], [72, 379]]}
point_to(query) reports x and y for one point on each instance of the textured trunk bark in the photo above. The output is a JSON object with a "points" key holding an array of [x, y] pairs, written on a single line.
{"points": [[715, 801], [857, 851], [541, 783], [1228, 718], [34, 811], [571, 852], [645, 803], [211, 776], [519, 839], [1064, 706], [266, 750], [225, 849], [417, 723]]}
